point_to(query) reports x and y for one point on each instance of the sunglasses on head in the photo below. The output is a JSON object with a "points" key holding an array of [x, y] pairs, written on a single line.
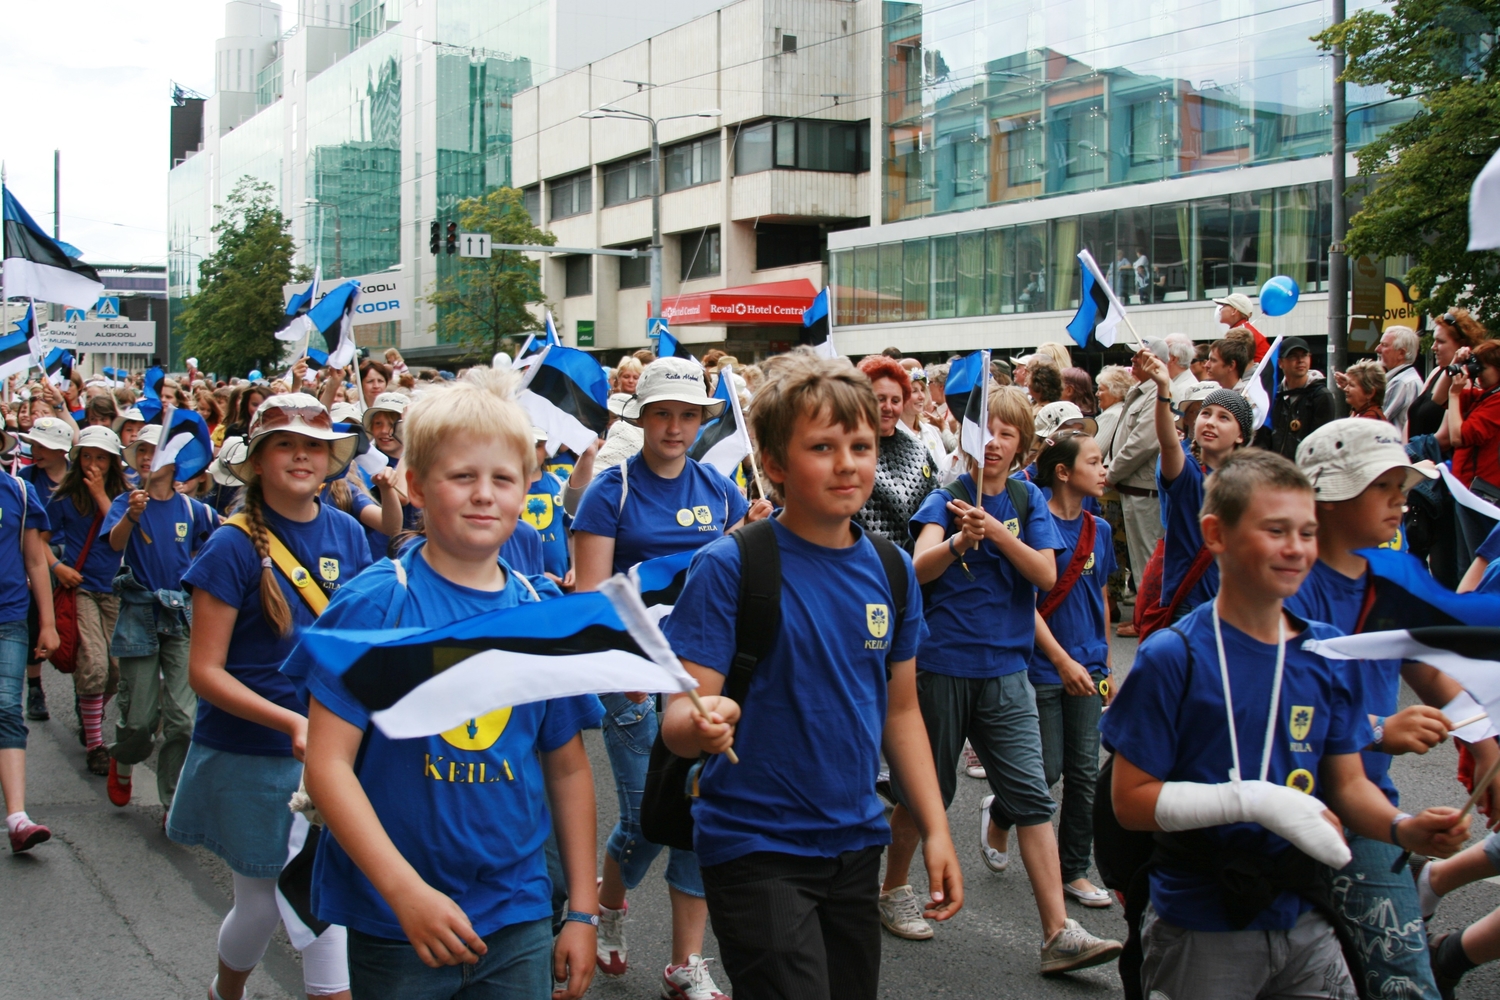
{"points": [[1448, 319], [270, 418]]}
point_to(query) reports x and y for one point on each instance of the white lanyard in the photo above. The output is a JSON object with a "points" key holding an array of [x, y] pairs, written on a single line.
{"points": [[1234, 742]]}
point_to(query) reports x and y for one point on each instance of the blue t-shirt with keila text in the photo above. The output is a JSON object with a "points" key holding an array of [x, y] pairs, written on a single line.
{"points": [[543, 510], [1181, 502], [467, 808], [1329, 596], [820, 695], [1079, 623], [661, 516], [331, 547], [1168, 719], [984, 627], [161, 546], [523, 550], [19, 505], [71, 528]]}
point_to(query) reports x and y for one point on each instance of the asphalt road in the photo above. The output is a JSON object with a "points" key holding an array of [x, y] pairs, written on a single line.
{"points": [[110, 908]]}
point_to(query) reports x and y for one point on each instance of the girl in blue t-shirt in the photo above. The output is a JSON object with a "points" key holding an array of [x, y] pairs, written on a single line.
{"points": [[657, 503], [76, 515], [249, 602], [1070, 665]]}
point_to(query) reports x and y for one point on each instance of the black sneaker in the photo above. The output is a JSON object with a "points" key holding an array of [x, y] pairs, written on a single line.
{"points": [[36, 703]]}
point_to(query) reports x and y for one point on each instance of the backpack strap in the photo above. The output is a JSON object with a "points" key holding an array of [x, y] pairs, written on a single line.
{"points": [[1020, 499], [895, 575], [1189, 581], [312, 594], [1074, 571], [758, 616]]}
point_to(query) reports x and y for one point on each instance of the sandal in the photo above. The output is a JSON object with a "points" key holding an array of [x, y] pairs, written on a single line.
{"points": [[1126, 630]]}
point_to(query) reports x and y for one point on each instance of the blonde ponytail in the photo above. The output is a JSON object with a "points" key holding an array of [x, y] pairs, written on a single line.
{"points": [[272, 601]]}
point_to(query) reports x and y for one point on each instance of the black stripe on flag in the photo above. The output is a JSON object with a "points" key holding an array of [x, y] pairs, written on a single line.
{"points": [[553, 385], [21, 242], [1462, 640], [724, 427], [14, 348]]}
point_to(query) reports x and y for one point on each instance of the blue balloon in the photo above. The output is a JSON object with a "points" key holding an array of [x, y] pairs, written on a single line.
{"points": [[255, 373], [1279, 295]]}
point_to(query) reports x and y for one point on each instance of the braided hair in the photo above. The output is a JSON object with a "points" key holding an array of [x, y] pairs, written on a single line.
{"points": [[272, 601]]}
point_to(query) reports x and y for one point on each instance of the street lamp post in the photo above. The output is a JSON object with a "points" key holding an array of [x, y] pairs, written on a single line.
{"points": [[338, 234], [655, 185]]}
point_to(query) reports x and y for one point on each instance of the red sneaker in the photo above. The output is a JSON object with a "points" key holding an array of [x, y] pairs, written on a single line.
{"points": [[28, 835], [119, 791]]}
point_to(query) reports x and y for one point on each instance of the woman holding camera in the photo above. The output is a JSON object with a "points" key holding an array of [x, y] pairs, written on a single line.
{"points": [[1470, 389]]}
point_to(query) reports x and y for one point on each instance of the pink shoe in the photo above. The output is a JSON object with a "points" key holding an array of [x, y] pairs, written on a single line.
{"points": [[28, 835]]}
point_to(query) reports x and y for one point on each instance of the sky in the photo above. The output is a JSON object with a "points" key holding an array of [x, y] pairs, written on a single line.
{"points": [[93, 78]]}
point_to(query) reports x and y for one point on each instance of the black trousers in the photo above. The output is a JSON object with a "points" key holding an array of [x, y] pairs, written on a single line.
{"points": [[789, 927]]}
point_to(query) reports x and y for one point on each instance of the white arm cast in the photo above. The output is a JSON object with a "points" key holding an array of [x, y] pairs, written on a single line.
{"points": [[1188, 805]]}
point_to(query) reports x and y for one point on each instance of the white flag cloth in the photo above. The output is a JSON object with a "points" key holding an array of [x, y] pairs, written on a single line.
{"points": [[1466, 497], [1484, 207]]}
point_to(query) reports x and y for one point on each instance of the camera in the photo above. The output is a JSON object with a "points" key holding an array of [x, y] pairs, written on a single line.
{"points": [[1470, 365]]}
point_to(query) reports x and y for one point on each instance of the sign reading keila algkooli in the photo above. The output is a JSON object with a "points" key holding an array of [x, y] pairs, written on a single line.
{"points": [[383, 296], [122, 336]]}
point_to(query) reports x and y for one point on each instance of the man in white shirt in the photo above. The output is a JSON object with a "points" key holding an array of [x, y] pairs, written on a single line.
{"points": [[1397, 350]]}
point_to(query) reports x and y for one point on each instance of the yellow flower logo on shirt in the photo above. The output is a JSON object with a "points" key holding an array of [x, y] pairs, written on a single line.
{"points": [[1301, 722], [182, 530], [878, 618], [1013, 525], [703, 515], [328, 568], [478, 733], [1302, 780], [1090, 564], [538, 511]]}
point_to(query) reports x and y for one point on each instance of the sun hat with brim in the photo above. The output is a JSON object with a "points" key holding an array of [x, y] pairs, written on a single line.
{"points": [[127, 415], [1343, 457], [1198, 392], [97, 437], [50, 432], [7, 442], [296, 413], [617, 402], [675, 380], [232, 450], [344, 413], [150, 434], [394, 403], [1055, 416]]}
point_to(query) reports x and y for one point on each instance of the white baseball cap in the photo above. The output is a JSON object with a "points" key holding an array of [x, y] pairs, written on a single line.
{"points": [[50, 432], [394, 403], [1343, 457], [1055, 416], [1238, 301], [676, 379], [127, 415]]}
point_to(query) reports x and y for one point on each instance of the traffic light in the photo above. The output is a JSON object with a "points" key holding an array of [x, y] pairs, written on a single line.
{"points": [[453, 237], [435, 239]]}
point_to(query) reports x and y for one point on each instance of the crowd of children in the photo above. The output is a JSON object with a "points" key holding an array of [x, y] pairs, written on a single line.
{"points": [[958, 621]]}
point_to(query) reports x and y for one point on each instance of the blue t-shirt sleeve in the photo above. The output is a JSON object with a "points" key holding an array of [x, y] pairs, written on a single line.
{"points": [[912, 632], [1141, 724], [934, 510], [1104, 549], [1489, 549], [599, 510], [36, 514], [227, 567], [1041, 530], [702, 624], [566, 718], [116, 511]]}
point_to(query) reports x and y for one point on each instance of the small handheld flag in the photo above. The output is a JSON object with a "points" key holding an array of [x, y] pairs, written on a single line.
{"points": [[367, 458], [1261, 390], [58, 365], [15, 347], [1407, 595], [668, 346], [186, 444], [298, 308], [1099, 311], [565, 393], [334, 318], [660, 581], [817, 326], [37, 267], [967, 391], [724, 441]]}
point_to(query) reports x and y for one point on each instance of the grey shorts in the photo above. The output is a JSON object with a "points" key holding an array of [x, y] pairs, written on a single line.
{"points": [[1300, 964], [997, 715]]}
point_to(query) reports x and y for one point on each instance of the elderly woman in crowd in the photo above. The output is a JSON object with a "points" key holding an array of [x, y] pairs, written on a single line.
{"points": [[904, 473], [1364, 389], [1113, 383]]}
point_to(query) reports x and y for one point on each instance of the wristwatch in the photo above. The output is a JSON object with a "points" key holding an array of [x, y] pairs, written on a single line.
{"points": [[578, 916], [1379, 733]]}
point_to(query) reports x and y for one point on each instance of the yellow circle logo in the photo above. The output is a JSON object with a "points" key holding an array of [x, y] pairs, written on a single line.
{"points": [[1090, 564], [300, 577], [480, 733], [685, 517], [926, 472], [1301, 779]]}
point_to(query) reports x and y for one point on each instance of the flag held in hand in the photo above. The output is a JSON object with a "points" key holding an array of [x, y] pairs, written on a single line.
{"points": [[1099, 312], [967, 392], [333, 317], [1261, 390], [38, 267], [16, 347], [724, 441], [186, 444], [668, 346], [565, 393], [817, 326]]}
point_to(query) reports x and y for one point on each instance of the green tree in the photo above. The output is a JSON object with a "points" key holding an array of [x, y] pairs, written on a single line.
{"points": [[232, 320], [1419, 172], [482, 303]]}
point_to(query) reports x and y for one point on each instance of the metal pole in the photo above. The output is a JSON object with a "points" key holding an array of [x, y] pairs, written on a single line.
{"points": [[655, 222], [1338, 260], [338, 241], [57, 194]]}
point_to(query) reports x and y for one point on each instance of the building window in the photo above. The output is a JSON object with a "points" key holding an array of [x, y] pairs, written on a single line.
{"points": [[627, 180], [635, 272], [803, 144], [531, 200], [579, 276], [571, 195], [692, 163], [781, 246], [700, 254]]}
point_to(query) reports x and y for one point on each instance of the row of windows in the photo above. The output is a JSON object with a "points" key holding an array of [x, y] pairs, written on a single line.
{"points": [[1179, 252], [701, 258], [687, 165], [803, 144]]}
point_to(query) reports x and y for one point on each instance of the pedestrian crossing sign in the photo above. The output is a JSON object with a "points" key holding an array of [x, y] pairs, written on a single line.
{"points": [[108, 307], [73, 315]]}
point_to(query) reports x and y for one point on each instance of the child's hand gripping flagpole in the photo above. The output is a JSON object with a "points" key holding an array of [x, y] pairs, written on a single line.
{"points": [[628, 605]]}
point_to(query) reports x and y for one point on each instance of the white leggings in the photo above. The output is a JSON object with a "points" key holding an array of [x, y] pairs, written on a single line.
{"points": [[247, 930]]}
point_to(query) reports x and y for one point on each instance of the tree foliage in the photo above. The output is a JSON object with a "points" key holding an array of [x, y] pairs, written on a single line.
{"points": [[232, 320], [1419, 172], [484, 302]]}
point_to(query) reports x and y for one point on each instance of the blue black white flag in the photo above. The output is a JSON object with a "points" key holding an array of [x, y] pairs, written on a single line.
{"points": [[422, 681], [668, 346], [723, 442], [333, 317], [1406, 596], [367, 458], [298, 308], [660, 581], [967, 393], [16, 347], [37, 267], [566, 394], [185, 443], [817, 326], [58, 365], [1261, 389], [531, 345], [1099, 311]]}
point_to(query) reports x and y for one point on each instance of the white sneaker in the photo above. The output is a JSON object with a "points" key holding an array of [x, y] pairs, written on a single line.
{"points": [[690, 981], [995, 861], [1075, 948], [609, 951], [1092, 896], [901, 914], [972, 767]]}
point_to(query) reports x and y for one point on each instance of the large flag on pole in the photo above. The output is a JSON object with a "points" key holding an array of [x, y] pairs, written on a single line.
{"points": [[566, 394], [1261, 389], [725, 441], [334, 318], [531, 345], [37, 267], [817, 326], [15, 347], [967, 392], [298, 308], [1099, 311]]}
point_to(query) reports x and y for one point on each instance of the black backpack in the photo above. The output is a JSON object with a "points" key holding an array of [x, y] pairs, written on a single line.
{"points": [[672, 781]]}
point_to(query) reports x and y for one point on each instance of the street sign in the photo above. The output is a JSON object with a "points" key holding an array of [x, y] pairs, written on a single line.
{"points": [[474, 244], [655, 325], [108, 307], [74, 315]]}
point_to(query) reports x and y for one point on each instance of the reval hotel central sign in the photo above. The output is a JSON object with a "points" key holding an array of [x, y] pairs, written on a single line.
{"points": [[384, 297]]}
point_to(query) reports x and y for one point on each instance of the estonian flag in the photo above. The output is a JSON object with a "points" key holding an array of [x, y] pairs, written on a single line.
{"points": [[660, 581], [817, 327], [566, 393], [967, 393], [151, 384], [1099, 312], [668, 346], [422, 681], [1407, 596], [725, 441], [298, 308], [186, 444], [15, 347], [294, 885], [58, 366], [334, 319], [367, 458], [1261, 390], [530, 345], [37, 267]]}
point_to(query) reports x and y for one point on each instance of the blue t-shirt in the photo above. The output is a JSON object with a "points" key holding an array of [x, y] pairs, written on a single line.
{"points": [[662, 516], [544, 512], [1181, 502], [1329, 596], [523, 550], [70, 527], [1079, 623], [331, 547], [162, 545], [819, 696], [43, 485], [1489, 549], [18, 502], [1168, 720], [984, 627], [469, 812]]}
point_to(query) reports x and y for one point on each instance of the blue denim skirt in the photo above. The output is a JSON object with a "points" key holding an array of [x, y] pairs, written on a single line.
{"points": [[235, 805]]}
